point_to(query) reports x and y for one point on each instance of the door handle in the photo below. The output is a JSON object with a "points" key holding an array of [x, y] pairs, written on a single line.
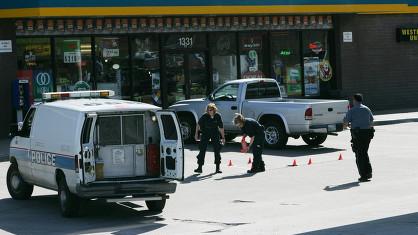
{"points": [[234, 107]]}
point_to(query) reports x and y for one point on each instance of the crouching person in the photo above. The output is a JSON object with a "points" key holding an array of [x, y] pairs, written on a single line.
{"points": [[255, 130]]}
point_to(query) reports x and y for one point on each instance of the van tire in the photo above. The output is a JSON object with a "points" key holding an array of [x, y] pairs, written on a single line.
{"points": [[314, 139], [69, 203], [17, 187], [275, 135], [187, 127], [156, 206]]}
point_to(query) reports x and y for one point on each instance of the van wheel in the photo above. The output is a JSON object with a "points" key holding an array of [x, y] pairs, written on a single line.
{"points": [[156, 206], [188, 127], [275, 134], [17, 187], [69, 203], [314, 139]]}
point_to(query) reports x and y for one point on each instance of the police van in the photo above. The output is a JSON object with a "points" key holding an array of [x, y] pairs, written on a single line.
{"points": [[85, 145]]}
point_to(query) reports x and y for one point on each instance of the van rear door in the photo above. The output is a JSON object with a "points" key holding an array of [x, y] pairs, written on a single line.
{"points": [[171, 146], [87, 143]]}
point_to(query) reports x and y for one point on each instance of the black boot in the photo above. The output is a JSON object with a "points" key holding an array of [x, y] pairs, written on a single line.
{"points": [[198, 169], [218, 170]]}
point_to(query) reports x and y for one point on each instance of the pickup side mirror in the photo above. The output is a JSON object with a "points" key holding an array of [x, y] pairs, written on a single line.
{"points": [[211, 98], [19, 126]]}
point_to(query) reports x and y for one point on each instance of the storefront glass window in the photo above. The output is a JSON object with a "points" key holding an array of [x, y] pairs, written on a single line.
{"points": [[73, 64], [251, 55], [285, 61], [112, 65], [34, 65], [317, 69], [146, 70], [224, 58]]}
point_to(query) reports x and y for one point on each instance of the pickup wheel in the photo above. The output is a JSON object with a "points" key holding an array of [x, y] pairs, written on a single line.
{"points": [[188, 127], [275, 134], [69, 203], [156, 206], [17, 187], [314, 139], [230, 137]]}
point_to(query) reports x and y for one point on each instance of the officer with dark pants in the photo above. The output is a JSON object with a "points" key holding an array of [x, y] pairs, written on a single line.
{"points": [[360, 118], [254, 130], [211, 126]]}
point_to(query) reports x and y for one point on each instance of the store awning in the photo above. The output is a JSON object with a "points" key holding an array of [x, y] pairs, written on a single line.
{"points": [[83, 8]]}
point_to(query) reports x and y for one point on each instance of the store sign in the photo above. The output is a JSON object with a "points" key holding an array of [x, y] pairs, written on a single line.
{"points": [[72, 53], [42, 83], [72, 57], [409, 34], [5, 46], [110, 52]]}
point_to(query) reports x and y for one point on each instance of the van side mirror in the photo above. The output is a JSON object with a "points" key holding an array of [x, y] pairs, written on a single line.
{"points": [[14, 130]]}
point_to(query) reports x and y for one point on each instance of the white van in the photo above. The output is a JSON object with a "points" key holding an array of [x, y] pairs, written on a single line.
{"points": [[87, 146]]}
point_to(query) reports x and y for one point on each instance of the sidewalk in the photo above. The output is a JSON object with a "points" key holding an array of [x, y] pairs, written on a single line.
{"points": [[381, 118]]}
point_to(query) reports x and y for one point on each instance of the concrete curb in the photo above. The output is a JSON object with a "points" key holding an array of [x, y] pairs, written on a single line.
{"points": [[396, 121]]}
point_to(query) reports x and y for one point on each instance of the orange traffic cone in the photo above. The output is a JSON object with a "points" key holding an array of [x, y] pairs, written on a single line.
{"points": [[310, 161], [249, 160], [294, 163], [340, 157], [230, 163]]}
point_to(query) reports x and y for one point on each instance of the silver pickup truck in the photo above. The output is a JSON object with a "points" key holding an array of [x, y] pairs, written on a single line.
{"points": [[260, 98]]}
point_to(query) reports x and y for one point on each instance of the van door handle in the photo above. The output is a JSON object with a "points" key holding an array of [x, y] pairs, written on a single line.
{"points": [[330, 109], [234, 107]]}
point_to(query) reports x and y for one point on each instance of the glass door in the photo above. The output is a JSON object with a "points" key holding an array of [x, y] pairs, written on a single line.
{"points": [[186, 76]]}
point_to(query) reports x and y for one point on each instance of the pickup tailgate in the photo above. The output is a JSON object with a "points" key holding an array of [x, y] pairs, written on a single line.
{"points": [[328, 112]]}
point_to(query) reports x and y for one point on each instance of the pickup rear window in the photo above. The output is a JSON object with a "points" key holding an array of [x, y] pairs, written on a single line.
{"points": [[262, 90]]}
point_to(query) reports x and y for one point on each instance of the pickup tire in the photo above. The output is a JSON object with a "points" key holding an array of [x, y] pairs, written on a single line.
{"points": [[156, 206], [314, 139], [17, 187], [230, 137], [187, 127], [69, 202], [275, 134]]}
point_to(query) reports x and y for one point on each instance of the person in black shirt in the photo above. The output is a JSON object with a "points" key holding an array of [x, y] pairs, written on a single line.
{"points": [[254, 130], [212, 128]]}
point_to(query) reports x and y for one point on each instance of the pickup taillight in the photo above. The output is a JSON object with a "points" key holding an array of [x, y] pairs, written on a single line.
{"points": [[153, 160], [308, 114]]}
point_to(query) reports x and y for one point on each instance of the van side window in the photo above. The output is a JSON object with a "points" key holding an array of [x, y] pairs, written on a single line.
{"points": [[170, 132], [27, 124], [85, 136]]}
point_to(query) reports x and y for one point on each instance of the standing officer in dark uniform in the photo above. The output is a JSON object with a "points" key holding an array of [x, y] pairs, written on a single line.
{"points": [[360, 119], [254, 130], [212, 128]]}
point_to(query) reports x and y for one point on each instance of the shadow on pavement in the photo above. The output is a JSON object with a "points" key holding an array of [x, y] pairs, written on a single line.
{"points": [[289, 151], [197, 177], [96, 217], [245, 175], [342, 186], [403, 224]]}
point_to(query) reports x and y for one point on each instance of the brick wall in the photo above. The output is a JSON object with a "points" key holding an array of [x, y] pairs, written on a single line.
{"points": [[375, 64], [8, 67]]}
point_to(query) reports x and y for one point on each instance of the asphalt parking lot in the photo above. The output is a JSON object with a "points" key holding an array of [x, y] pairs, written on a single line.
{"points": [[321, 198]]}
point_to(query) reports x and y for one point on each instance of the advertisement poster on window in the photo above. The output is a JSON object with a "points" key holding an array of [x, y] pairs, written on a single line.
{"points": [[293, 81], [72, 52], [42, 83], [311, 76]]}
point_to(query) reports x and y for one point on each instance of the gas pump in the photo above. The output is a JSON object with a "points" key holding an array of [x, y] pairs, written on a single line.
{"points": [[20, 99]]}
